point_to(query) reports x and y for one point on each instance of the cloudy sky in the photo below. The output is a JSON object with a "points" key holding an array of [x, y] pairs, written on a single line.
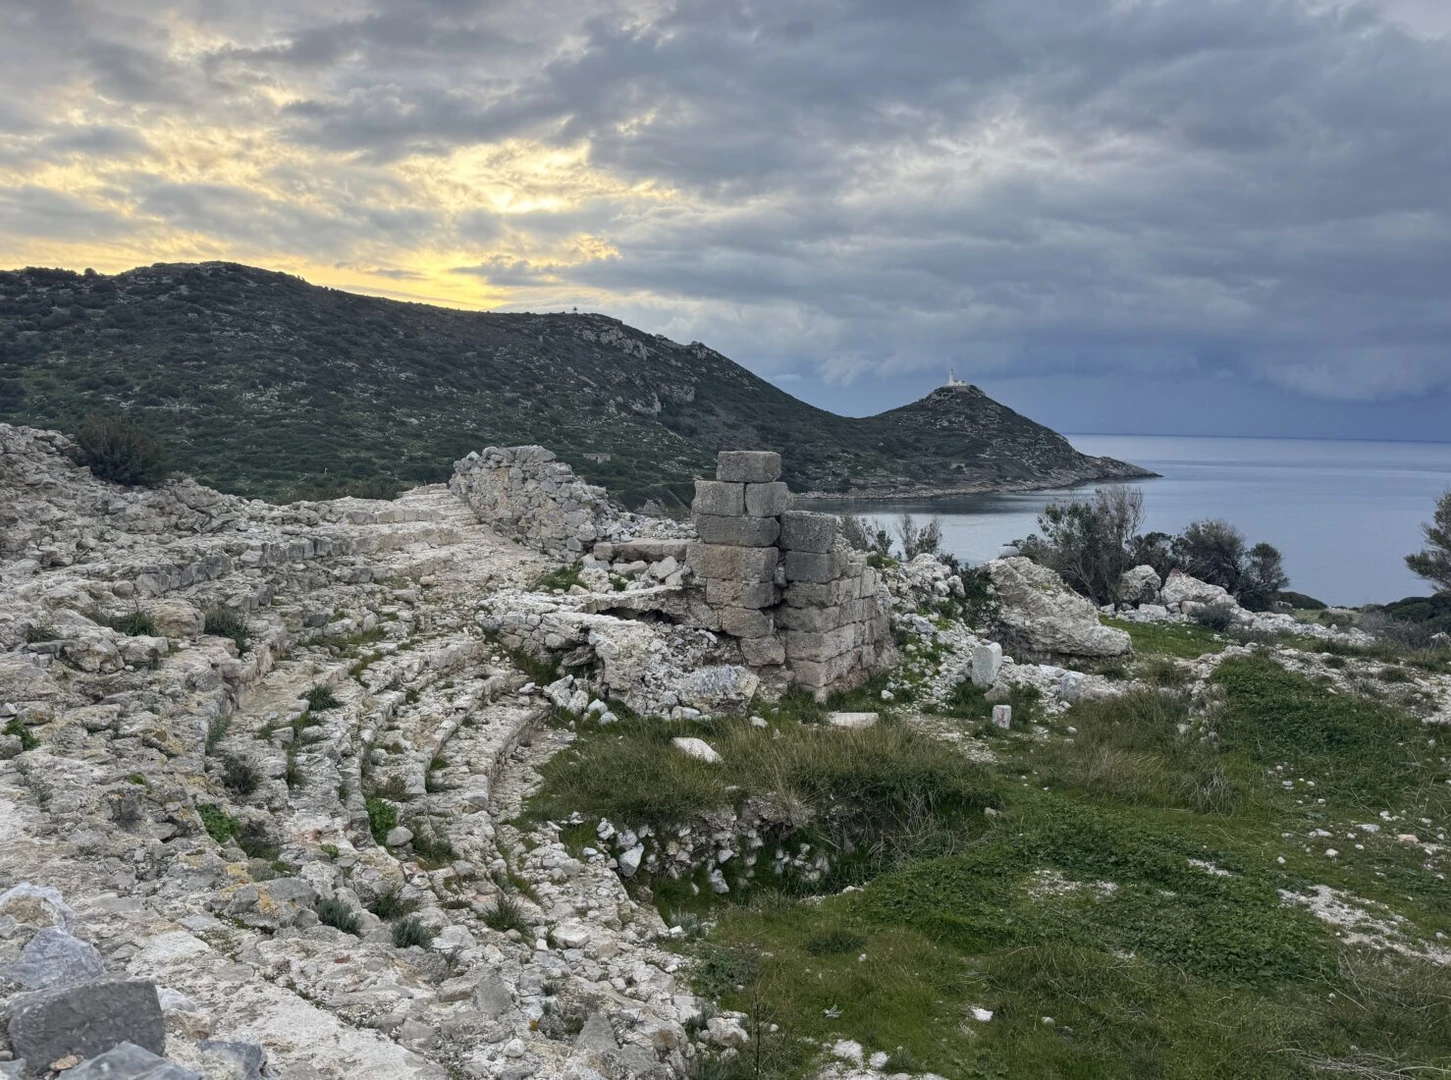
{"points": [[1173, 216]]}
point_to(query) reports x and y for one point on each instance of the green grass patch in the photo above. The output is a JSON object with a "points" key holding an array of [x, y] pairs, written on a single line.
{"points": [[561, 577], [27, 738], [1188, 641], [224, 622], [321, 698]]}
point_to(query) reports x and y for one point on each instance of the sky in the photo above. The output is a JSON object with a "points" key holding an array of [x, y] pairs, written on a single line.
{"points": [[1159, 216]]}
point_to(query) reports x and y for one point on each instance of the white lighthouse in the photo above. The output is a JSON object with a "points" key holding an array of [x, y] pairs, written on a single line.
{"points": [[953, 380]]}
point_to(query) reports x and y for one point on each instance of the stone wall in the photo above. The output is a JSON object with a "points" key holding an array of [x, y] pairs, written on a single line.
{"points": [[800, 603], [524, 492]]}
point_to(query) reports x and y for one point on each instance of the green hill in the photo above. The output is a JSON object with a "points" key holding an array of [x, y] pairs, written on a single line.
{"points": [[264, 385]]}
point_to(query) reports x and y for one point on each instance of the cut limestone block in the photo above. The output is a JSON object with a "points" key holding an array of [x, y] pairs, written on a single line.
{"points": [[987, 660], [813, 567], [802, 530], [851, 719], [746, 623], [763, 651], [86, 1020], [748, 466], [767, 500], [1003, 716], [723, 500], [746, 594], [732, 563], [756, 532]]}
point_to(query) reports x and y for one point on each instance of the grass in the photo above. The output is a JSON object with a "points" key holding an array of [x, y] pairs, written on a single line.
{"points": [[561, 578], [217, 729], [224, 622], [321, 698], [240, 777], [409, 931], [1187, 641], [869, 796], [36, 633], [390, 905], [135, 623], [507, 914], [337, 914], [1122, 911]]}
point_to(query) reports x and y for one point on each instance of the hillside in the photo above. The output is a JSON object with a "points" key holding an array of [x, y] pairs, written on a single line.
{"points": [[263, 385]]}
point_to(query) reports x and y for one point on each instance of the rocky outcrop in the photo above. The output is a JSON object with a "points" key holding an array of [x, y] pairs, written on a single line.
{"points": [[1041, 616]]}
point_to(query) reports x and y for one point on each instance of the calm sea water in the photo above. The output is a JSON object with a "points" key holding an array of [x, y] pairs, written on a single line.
{"points": [[1343, 513]]}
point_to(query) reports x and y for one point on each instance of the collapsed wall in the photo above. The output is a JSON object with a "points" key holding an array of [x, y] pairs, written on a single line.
{"points": [[783, 591], [524, 492]]}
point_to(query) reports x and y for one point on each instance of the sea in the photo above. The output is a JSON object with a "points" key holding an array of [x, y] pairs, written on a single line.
{"points": [[1343, 513]]}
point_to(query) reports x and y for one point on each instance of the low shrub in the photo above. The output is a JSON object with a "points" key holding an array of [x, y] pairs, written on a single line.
{"points": [[35, 633], [382, 817], [408, 932], [220, 825], [240, 777], [120, 451], [27, 739], [507, 914], [391, 905], [337, 914], [1217, 617]]}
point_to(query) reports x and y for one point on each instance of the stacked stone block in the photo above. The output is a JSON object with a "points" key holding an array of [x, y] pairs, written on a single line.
{"points": [[834, 619], [737, 517], [783, 582]]}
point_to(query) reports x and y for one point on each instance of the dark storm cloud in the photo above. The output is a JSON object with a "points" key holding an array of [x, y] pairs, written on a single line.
{"points": [[1219, 189]]}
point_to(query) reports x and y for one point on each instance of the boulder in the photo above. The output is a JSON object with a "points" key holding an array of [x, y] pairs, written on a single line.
{"points": [[1041, 615], [1181, 587], [127, 1061], [696, 748], [1140, 585], [55, 958], [86, 1020], [176, 618]]}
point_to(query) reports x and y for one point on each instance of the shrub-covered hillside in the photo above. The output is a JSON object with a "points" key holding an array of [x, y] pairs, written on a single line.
{"points": [[262, 384]]}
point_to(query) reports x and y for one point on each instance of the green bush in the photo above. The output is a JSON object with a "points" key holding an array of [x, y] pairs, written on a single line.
{"points": [[35, 633], [382, 817], [119, 451], [1217, 617], [27, 740], [220, 825]]}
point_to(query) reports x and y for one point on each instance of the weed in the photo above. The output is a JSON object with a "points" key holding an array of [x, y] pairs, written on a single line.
{"points": [[382, 818], [134, 623], [330, 850], [410, 931], [226, 623], [27, 738], [507, 914], [35, 633], [561, 578], [220, 825], [391, 905], [240, 777], [321, 698], [432, 846], [217, 729], [337, 914]]}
